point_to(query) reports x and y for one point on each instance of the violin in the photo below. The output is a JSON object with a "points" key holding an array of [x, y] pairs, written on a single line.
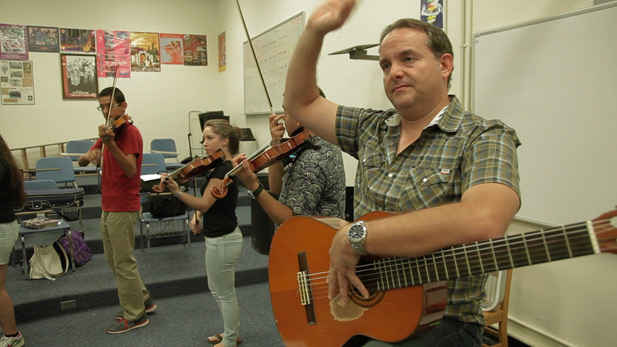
{"points": [[118, 124], [265, 159], [196, 167], [121, 121]]}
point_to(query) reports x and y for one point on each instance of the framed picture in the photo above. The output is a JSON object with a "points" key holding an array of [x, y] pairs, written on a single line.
{"points": [[79, 79]]}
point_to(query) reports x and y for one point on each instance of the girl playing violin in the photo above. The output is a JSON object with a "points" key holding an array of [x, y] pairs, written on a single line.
{"points": [[220, 226]]}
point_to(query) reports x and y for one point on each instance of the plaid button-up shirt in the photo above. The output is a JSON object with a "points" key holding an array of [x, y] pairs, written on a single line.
{"points": [[453, 153]]}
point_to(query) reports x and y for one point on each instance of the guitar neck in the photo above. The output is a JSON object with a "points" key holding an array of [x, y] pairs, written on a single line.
{"points": [[535, 247]]}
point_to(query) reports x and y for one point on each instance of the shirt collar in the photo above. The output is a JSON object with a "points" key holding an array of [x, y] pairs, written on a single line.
{"points": [[448, 119]]}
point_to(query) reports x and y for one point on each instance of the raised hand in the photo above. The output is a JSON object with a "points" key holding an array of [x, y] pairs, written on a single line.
{"points": [[330, 15], [106, 134], [277, 129]]}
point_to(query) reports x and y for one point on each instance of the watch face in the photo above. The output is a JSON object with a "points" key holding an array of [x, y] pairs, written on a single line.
{"points": [[356, 232]]}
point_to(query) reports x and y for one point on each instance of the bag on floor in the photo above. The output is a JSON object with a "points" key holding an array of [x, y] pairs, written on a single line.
{"points": [[166, 205], [81, 251], [49, 262]]}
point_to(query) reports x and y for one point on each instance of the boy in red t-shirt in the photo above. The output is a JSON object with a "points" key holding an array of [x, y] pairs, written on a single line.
{"points": [[122, 148]]}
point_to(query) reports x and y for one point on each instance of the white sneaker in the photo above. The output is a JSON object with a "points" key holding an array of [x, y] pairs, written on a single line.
{"points": [[16, 341]]}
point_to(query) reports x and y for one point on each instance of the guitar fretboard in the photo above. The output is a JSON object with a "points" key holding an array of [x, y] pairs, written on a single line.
{"points": [[504, 253]]}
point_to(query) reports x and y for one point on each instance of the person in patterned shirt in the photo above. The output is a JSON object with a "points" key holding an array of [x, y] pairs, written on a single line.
{"points": [[452, 174], [310, 183]]}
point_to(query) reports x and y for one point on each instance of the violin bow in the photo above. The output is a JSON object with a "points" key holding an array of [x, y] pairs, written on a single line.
{"points": [[113, 95], [109, 121], [261, 76]]}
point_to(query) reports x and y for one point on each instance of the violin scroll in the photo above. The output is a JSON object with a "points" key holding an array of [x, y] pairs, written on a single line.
{"points": [[220, 191]]}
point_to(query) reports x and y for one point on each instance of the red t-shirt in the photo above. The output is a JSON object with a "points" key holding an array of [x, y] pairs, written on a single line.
{"points": [[120, 193]]}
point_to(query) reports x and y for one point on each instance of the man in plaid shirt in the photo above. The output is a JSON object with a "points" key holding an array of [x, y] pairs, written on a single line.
{"points": [[455, 175]]}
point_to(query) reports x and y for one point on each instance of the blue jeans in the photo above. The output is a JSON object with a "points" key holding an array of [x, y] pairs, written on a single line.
{"points": [[448, 333], [222, 253]]}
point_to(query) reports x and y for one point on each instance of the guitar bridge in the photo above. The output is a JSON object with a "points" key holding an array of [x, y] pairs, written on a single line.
{"points": [[305, 298], [304, 287]]}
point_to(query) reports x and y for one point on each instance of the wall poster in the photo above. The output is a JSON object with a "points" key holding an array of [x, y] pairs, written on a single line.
{"points": [[77, 40], [432, 11], [13, 42], [17, 82], [145, 52], [79, 79], [113, 52], [195, 50], [172, 51], [222, 52], [43, 39]]}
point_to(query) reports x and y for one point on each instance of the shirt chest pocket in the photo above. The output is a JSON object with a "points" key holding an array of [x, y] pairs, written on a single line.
{"points": [[430, 186], [373, 164]]}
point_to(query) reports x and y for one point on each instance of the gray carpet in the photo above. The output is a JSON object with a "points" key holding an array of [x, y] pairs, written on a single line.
{"points": [[184, 320]]}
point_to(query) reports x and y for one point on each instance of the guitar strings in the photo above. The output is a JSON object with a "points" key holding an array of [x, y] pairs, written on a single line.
{"points": [[392, 272]]}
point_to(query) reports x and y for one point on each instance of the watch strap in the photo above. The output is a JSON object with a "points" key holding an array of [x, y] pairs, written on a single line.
{"points": [[255, 193]]}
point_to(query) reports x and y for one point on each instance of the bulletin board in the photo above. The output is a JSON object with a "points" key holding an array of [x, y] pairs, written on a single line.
{"points": [[553, 81], [273, 49]]}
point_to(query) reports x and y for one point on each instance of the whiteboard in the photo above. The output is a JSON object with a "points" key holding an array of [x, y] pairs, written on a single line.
{"points": [[555, 82], [273, 49]]}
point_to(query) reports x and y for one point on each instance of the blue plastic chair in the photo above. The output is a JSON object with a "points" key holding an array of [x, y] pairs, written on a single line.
{"points": [[80, 147], [152, 163], [57, 169], [167, 147], [39, 185]]}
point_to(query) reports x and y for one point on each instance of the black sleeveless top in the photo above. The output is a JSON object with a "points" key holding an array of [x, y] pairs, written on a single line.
{"points": [[221, 218]]}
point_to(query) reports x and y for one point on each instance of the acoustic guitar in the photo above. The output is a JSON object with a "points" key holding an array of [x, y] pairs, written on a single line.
{"points": [[407, 295]]}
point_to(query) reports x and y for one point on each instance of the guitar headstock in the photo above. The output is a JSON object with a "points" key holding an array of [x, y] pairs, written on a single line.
{"points": [[605, 227]]}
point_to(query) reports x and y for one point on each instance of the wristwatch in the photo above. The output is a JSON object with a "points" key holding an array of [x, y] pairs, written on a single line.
{"points": [[253, 194], [357, 236]]}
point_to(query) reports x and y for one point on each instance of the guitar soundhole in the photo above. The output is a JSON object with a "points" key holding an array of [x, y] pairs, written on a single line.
{"points": [[368, 278]]}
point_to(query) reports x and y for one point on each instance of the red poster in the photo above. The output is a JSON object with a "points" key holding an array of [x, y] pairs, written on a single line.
{"points": [[195, 50], [113, 52]]}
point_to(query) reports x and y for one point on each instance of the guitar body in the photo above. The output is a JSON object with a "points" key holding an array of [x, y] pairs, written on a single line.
{"points": [[390, 316]]}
